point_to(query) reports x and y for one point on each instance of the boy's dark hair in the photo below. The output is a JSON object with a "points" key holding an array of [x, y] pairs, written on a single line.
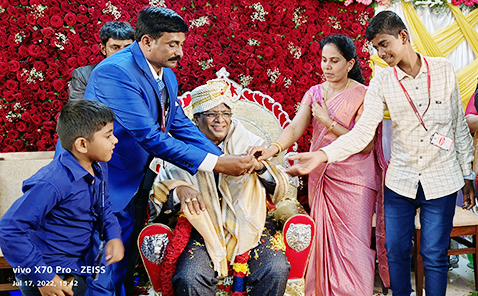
{"points": [[385, 22], [346, 47], [154, 21], [116, 30], [82, 118]]}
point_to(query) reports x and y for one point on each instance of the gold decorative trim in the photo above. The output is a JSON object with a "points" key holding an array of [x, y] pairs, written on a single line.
{"points": [[295, 287]]}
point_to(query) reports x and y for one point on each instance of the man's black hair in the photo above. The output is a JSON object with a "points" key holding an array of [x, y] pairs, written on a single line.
{"points": [[116, 30], [154, 21], [82, 118], [385, 22]]}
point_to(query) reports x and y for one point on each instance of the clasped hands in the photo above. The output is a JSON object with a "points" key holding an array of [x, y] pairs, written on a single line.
{"points": [[304, 163], [237, 165], [234, 165]]}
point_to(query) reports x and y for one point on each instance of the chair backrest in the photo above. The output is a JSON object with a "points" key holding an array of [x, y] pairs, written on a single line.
{"points": [[15, 168], [257, 111]]}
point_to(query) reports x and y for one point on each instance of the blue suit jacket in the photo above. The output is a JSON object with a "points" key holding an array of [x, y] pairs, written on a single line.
{"points": [[124, 82]]}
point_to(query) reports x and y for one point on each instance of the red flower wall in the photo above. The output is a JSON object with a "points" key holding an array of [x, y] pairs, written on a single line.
{"points": [[271, 46]]}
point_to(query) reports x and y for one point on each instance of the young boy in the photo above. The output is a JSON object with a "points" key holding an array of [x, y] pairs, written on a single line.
{"points": [[432, 151], [46, 234]]}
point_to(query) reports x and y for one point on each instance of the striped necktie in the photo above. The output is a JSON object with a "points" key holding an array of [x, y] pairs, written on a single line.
{"points": [[163, 107]]}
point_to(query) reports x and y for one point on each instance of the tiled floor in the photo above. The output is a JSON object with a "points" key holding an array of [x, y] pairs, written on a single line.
{"points": [[460, 281]]}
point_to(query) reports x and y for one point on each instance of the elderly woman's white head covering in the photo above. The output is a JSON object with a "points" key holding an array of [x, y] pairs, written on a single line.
{"points": [[208, 96]]}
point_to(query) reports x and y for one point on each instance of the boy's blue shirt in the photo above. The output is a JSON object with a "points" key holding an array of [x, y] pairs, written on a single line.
{"points": [[53, 222]]}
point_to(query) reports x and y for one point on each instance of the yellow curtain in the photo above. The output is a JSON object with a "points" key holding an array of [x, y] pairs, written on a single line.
{"points": [[423, 40], [449, 37], [467, 81], [468, 31]]}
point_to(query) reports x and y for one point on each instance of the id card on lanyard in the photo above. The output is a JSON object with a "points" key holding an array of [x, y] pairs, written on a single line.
{"points": [[437, 139]]}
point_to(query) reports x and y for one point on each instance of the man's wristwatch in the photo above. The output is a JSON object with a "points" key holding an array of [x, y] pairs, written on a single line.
{"points": [[261, 171]]}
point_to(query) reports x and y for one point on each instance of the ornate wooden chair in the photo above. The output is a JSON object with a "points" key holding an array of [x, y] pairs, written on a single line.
{"points": [[263, 116]]}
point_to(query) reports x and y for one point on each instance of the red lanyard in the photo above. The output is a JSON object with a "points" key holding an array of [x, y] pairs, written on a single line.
{"points": [[420, 118], [163, 112]]}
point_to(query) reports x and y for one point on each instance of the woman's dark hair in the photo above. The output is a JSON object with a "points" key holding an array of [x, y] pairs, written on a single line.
{"points": [[346, 47]]}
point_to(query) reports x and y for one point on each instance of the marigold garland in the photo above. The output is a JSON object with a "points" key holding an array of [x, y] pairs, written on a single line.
{"points": [[240, 270], [277, 242]]}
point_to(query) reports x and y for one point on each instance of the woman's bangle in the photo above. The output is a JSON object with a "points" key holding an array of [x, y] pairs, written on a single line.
{"points": [[332, 125], [279, 147]]}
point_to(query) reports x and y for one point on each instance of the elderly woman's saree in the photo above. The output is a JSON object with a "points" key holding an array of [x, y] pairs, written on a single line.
{"points": [[342, 199]]}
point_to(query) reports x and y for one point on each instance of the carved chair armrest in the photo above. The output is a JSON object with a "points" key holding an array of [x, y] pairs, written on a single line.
{"points": [[298, 231]]}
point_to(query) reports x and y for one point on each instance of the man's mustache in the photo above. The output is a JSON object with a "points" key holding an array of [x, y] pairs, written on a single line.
{"points": [[176, 58]]}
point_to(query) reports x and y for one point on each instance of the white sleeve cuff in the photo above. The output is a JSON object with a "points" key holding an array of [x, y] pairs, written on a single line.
{"points": [[466, 169], [175, 197], [471, 176], [208, 163], [266, 176]]}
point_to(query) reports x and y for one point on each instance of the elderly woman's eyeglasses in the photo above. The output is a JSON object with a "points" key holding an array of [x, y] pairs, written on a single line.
{"points": [[211, 115]]}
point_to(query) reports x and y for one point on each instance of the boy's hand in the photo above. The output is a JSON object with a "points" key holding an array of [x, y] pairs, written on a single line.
{"points": [[56, 287], [114, 251], [468, 195], [306, 162]]}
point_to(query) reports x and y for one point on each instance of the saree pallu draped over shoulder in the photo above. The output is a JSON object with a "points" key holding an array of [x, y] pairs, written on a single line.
{"points": [[342, 199]]}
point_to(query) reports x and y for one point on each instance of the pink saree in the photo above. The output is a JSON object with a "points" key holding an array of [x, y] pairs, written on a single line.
{"points": [[342, 198]]}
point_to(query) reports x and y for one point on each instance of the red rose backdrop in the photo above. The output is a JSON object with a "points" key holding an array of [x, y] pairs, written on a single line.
{"points": [[272, 46]]}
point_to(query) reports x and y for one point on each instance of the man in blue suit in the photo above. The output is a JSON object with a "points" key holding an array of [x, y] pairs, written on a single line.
{"points": [[139, 86]]}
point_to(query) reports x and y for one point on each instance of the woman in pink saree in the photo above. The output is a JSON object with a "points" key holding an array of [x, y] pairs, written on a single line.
{"points": [[343, 195]]}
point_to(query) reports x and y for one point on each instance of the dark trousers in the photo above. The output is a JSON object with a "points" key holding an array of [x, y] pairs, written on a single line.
{"points": [[195, 274], [140, 207], [110, 282], [436, 220], [29, 288]]}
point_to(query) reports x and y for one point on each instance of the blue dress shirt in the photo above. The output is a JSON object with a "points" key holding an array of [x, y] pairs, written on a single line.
{"points": [[51, 225]]}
